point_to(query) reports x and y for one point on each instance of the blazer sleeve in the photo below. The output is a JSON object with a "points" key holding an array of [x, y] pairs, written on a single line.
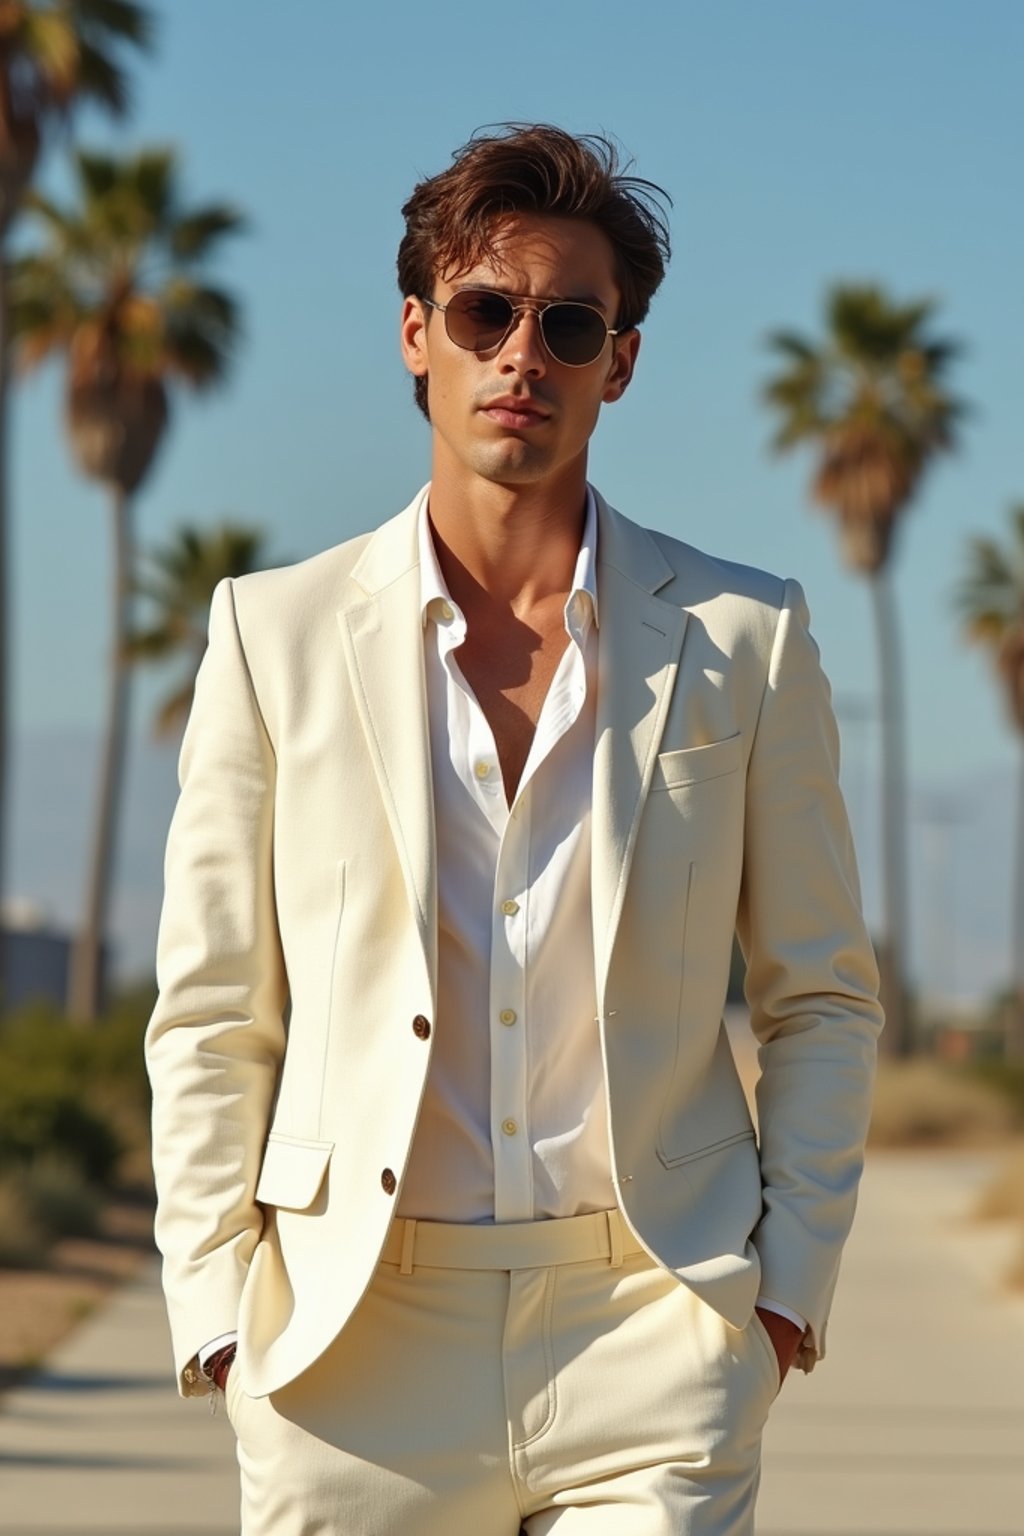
{"points": [[216, 1038], [812, 981]]}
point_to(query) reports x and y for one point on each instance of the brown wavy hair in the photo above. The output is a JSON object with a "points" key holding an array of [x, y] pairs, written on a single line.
{"points": [[534, 168]]}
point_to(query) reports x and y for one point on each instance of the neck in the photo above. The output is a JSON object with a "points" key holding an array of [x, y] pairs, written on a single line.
{"points": [[517, 544]]}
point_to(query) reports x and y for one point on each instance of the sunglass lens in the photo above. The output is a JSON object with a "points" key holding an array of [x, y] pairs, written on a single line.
{"points": [[478, 320], [574, 333]]}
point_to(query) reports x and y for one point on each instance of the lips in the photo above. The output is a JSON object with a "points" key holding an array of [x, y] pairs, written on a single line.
{"points": [[515, 411]]}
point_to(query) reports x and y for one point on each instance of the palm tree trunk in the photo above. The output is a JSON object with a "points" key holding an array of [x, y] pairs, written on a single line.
{"points": [[86, 981], [5, 620], [1015, 1028], [892, 958]]}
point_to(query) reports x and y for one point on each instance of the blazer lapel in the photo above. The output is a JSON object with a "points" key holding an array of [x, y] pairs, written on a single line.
{"points": [[640, 638], [382, 634]]}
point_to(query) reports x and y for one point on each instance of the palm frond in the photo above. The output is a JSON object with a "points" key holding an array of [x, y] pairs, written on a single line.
{"points": [[42, 310], [794, 346], [51, 48], [990, 597], [118, 20], [941, 352], [103, 80], [56, 219], [987, 627], [871, 399], [151, 181], [153, 644], [107, 285], [97, 173], [195, 236], [178, 580], [173, 712], [202, 331]]}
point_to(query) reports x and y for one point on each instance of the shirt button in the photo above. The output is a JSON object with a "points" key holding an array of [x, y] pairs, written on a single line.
{"points": [[388, 1182], [482, 770], [510, 908], [421, 1027], [509, 1127], [507, 1015], [447, 611]]}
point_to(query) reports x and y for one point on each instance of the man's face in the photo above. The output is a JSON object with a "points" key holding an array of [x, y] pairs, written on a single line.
{"points": [[514, 415]]}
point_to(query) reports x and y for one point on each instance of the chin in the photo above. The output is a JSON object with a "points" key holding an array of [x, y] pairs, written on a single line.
{"points": [[523, 466]]}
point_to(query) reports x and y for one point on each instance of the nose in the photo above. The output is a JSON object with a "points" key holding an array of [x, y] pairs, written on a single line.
{"points": [[523, 350]]}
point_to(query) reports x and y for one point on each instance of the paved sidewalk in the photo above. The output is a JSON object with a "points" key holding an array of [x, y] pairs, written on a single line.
{"points": [[100, 1441], [913, 1427], [914, 1424]]}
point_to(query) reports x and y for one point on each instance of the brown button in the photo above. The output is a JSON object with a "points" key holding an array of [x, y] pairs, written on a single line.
{"points": [[421, 1027], [388, 1182]]}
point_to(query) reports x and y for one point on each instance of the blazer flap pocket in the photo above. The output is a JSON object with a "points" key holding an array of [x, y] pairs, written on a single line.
{"points": [[691, 764], [292, 1171]]}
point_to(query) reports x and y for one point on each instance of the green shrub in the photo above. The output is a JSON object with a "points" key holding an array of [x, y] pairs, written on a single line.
{"points": [[42, 1110], [79, 1094], [62, 1200], [1007, 1078], [927, 1102], [23, 1239]]}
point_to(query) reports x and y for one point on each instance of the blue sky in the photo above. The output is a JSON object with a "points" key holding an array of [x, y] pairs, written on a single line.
{"points": [[802, 142]]}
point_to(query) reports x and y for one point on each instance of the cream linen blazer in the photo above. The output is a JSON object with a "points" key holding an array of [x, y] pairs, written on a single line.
{"points": [[297, 949]]}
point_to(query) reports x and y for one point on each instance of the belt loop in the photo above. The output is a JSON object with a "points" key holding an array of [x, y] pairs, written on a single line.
{"points": [[614, 1239], [408, 1245]]}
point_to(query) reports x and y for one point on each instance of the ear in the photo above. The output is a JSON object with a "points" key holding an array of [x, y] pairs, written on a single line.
{"points": [[622, 365], [413, 336]]}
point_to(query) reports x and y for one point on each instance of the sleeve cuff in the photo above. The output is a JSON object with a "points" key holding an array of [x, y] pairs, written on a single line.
{"points": [[769, 1306], [211, 1349]]}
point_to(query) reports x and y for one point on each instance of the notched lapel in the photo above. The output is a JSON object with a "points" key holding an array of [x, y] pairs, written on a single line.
{"points": [[639, 645], [383, 642]]}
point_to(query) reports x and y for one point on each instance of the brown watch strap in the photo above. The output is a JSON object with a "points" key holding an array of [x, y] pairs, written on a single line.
{"points": [[217, 1367]]}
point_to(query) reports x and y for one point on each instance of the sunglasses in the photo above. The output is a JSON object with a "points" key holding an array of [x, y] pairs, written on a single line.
{"points": [[478, 320]]}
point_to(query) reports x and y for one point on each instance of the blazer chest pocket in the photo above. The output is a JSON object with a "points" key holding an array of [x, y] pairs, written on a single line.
{"points": [[692, 765], [293, 1171]]}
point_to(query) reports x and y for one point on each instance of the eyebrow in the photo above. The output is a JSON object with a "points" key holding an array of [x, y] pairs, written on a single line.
{"points": [[561, 298]]}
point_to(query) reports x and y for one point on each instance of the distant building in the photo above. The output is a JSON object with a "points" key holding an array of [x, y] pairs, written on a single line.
{"points": [[35, 958]]}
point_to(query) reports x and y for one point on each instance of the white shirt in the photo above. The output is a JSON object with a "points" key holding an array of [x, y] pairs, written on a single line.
{"points": [[514, 1123]]}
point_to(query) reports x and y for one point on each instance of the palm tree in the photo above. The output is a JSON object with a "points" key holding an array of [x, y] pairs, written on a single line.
{"points": [[179, 584], [870, 399], [52, 57], [991, 599], [119, 288]]}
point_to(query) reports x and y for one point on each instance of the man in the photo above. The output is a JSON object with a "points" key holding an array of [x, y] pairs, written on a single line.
{"points": [[448, 1137]]}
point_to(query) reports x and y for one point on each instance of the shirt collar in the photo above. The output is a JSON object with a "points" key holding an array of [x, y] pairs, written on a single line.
{"points": [[583, 592]]}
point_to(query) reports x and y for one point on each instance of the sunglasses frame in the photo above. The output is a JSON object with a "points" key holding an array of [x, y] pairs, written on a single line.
{"points": [[538, 307]]}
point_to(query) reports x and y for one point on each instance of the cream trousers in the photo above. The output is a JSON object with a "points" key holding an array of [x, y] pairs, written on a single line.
{"points": [[546, 1375]]}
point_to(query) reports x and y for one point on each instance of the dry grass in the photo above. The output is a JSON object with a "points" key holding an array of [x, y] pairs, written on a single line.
{"points": [[1016, 1274], [1003, 1200], [24, 1239], [39, 1306], [923, 1102], [1004, 1197]]}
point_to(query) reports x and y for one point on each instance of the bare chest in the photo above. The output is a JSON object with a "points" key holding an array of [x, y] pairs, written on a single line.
{"points": [[510, 673]]}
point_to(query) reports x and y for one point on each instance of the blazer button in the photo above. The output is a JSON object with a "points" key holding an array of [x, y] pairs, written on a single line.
{"points": [[421, 1027], [388, 1182]]}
